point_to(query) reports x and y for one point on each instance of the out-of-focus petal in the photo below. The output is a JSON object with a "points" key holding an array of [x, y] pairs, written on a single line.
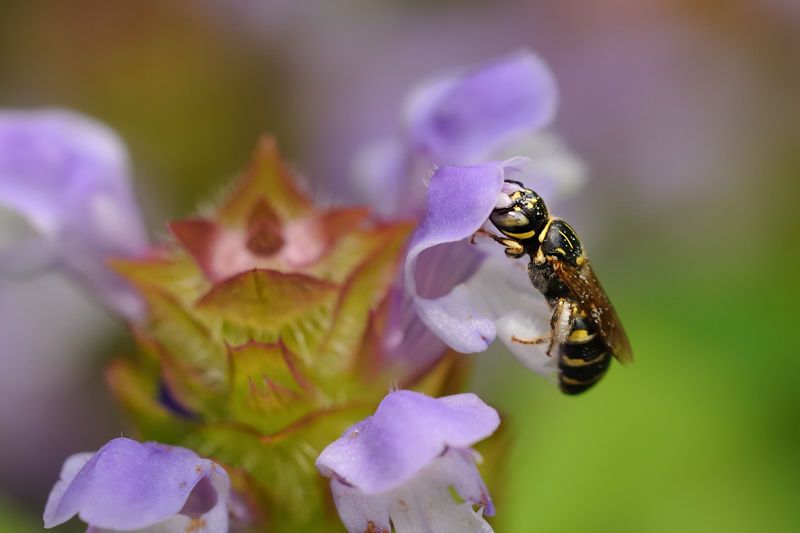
{"points": [[406, 433], [127, 485], [552, 170], [23, 253], [407, 339], [462, 118], [382, 179], [68, 176]]}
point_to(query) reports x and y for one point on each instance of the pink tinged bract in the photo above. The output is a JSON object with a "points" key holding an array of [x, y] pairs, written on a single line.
{"points": [[68, 178], [132, 486]]}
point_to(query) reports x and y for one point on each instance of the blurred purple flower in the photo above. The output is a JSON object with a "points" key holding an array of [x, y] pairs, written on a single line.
{"points": [[130, 486], [454, 119], [400, 464], [494, 110], [66, 177], [496, 298]]}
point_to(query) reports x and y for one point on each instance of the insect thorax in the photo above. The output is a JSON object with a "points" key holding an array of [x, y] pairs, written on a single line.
{"points": [[559, 240]]}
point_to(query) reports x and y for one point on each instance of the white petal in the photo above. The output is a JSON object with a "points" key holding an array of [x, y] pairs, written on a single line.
{"points": [[69, 470], [502, 290], [26, 258], [386, 177], [551, 169], [422, 505], [24, 252], [521, 325], [358, 511]]}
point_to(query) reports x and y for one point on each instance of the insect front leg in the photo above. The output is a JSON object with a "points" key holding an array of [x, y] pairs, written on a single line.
{"points": [[513, 248]]}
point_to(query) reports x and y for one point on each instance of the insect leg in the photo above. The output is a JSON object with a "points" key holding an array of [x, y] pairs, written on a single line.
{"points": [[513, 248], [561, 323], [536, 340], [485, 233]]}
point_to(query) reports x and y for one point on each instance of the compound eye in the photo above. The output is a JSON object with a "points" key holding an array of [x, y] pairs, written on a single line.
{"points": [[513, 219]]}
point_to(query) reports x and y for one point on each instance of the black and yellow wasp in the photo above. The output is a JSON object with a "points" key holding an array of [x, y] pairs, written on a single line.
{"points": [[584, 325]]}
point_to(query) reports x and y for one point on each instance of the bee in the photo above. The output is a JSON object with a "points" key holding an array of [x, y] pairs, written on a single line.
{"points": [[584, 325]]}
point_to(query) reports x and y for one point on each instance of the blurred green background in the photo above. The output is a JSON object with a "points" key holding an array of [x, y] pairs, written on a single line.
{"points": [[687, 114]]}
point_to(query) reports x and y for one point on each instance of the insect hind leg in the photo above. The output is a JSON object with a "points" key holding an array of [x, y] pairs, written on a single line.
{"points": [[561, 322], [541, 339]]}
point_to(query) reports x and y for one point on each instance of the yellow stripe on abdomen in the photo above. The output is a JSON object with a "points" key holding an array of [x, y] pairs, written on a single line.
{"points": [[580, 336]]}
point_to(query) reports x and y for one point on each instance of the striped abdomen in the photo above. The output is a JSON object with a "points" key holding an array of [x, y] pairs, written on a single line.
{"points": [[584, 357]]}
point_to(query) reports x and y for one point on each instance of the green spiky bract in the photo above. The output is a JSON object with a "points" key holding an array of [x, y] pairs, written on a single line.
{"points": [[270, 364]]}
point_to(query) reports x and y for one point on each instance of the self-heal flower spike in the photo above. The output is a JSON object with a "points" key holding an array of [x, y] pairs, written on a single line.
{"points": [[396, 467], [262, 315], [496, 299], [67, 177], [149, 487]]}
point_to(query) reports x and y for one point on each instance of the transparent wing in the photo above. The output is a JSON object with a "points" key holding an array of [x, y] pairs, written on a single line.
{"points": [[586, 287]]}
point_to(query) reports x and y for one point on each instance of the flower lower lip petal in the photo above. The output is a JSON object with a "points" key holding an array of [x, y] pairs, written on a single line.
{"points": [[128, 485], [400, 464]]}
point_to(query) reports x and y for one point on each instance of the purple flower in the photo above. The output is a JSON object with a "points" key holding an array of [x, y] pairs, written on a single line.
{"points": [[464, 117], [399, 465], [66, 178], [496, 299], [130, 486], [493, 111], [456, 119]]}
